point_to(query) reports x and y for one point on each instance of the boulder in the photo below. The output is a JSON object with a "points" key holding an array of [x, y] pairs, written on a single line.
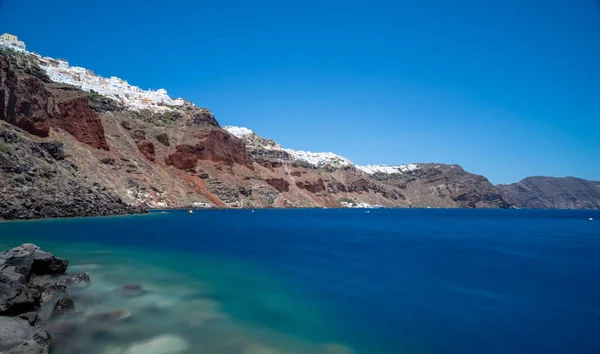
{"points": [[108, 161], [125, 124], [17, 336], [54, 148], [70, 281], [132, 290], [31, 317], [47, 263], [163, 138], [46, 294], [20, 257], [63, 307], [15, 296]]}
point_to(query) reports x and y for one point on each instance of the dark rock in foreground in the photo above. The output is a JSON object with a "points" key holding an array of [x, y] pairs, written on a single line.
{"points": [[63, 307], [47, 263], [18, 336], [15, 296], [29, 277]]}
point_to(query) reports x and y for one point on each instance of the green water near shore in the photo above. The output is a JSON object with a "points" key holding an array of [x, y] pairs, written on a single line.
{"points": [[191, 304]]}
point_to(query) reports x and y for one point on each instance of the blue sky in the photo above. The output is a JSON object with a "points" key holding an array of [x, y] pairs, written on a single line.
{"points": [[505, 88]]}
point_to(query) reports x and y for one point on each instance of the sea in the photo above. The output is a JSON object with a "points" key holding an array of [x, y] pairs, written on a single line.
{"points": [[330, 281]]}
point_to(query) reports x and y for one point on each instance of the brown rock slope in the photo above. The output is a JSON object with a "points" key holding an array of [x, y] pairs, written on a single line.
{"points": [[551, 192], [179, 158], [445, 186], [30, 101]]}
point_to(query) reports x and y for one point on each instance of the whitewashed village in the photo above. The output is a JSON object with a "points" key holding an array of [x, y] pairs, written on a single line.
{"points": [[118, 89]]}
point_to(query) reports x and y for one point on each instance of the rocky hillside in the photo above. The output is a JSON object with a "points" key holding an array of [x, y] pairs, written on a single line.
{"points": [[551, 192], [414, 185], [64, 151], [447, 186]]}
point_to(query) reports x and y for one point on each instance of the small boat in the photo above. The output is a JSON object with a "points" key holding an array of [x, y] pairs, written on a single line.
{"points": [[191, 211], [591, 219]]}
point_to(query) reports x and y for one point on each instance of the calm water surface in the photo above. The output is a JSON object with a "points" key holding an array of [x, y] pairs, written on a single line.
{"points": [[335, 281]]}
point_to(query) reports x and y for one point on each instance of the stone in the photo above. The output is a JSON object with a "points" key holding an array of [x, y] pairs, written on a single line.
{"points": [[47, 263], [164, 344], [20, 257], [62, 307], [17, 336], [125, 124], [31, 317], [54, 148], [108, 161], [15, 296], [132, 290], [163, 138], [44, 287], [138, 134], [72, 280]]}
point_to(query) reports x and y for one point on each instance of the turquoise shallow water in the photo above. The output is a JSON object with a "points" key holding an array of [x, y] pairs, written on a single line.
{"points": [[333, 281]]}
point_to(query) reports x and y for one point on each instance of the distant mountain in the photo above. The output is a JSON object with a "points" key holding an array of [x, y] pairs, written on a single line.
{"points": [[555, 193]]}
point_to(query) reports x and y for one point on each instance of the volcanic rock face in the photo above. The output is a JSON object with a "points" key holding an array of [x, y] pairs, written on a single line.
{"points": [[214, 145], [144, 146], [89, 155], [550, 192], [447, 186], [37, 181], [37, 106], [279, 183], [312, 186]]}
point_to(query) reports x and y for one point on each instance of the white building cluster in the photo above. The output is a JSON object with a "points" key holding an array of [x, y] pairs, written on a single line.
{"points": [[318, 159], [371, 169], [360, 205], [12, 42], [118, 89]]}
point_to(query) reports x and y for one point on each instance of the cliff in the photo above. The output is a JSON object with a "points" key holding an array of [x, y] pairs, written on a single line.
{"points": [[551, 192], [441, 185], [116, 157]]}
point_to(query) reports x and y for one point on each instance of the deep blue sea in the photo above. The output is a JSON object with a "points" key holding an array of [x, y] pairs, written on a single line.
{"points": [[340, 281]]}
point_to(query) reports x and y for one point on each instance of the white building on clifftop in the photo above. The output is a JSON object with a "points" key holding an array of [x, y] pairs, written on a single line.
{"points": [[118, 89], [12, 42]]}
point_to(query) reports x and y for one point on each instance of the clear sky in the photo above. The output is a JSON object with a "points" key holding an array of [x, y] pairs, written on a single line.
{"points": [[505, 88]]}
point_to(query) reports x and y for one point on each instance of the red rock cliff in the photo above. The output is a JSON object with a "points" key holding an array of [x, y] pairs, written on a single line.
{"points": [[36, 106], [215, 145]]}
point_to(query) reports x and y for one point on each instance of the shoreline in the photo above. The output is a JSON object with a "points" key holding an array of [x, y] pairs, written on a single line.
{"points": [[149, 212]]}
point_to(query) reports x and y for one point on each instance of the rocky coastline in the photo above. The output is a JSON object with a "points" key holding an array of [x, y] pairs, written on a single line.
{"points": [[39, 302]]}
